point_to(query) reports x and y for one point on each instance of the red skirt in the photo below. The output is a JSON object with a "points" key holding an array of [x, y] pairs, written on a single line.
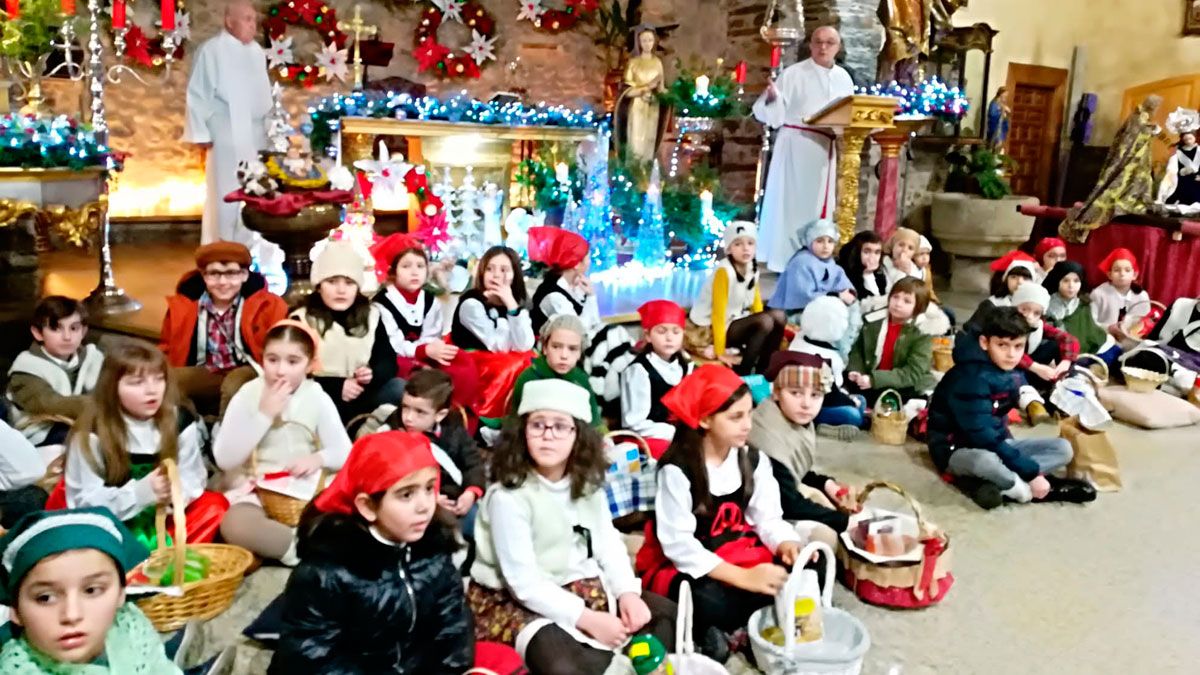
{"points": [[498, 373], [658, 572]]}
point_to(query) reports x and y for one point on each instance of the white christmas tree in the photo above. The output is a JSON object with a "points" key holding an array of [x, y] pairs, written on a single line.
{"points": [[468, 214], [492, 205], [449, 196], [651, 238], [595, 211]]}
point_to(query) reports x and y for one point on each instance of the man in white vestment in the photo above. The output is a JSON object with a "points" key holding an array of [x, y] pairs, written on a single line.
{"points": [[802, 177], [228, 97]]}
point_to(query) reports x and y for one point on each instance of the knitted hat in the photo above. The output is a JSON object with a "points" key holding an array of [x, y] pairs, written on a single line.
{"points": [[817, 229], [796, 370], [376, 463], [41, 534], [337, 259], [314, 364], [924, 245], [737, 229], [385, 250], [557, 395], [556, 247], [1119, 254], [658, 312], [825, 319], [1061, 270], [1031, 293], [222, 252], [702, 393], [902, 234], [1046, 245], [564, 321], [1014, 259]]}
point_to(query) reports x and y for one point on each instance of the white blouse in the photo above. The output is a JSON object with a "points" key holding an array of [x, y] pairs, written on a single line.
{"points": [[507, 334], [636, 396], [555, 303], [431, 323]]}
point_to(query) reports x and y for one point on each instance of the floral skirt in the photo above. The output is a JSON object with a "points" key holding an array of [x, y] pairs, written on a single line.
{"points": [[499, 617]]}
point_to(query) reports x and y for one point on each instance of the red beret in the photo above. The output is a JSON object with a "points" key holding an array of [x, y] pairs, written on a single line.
{"points": [[222, 251], [1119, 254], [385, 251], [702, 393], [657, 312], [556, 247], [1013, 258], [1044, 246]]}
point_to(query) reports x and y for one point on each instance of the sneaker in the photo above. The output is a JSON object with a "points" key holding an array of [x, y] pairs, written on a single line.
{"points": [[840, 432], [1037, 414], [984, 493], [714, 644], [1069, 490]]}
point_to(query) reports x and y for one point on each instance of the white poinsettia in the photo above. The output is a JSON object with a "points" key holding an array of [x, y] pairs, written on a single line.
{"points": [[481, 48], [531, 10], [451, 9], [280, 52], [332, 62], [183, 25]]}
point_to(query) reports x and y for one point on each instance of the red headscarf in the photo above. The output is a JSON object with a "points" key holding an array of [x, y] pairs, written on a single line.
{"points": [[556, 247], [1006, 263], [385, 251], [1046, 245], [702, 393], [1119, 254], [657, 312], [376, 463]]}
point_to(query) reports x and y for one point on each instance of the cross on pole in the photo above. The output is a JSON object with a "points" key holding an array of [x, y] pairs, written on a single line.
{"points": [[360, 30]]}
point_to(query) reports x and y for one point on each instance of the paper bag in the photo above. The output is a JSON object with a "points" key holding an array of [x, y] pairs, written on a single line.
{"points": [[1094, 459]]}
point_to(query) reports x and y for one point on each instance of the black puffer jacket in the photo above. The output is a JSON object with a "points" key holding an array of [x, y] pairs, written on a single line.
{"points": [[357, 606]]}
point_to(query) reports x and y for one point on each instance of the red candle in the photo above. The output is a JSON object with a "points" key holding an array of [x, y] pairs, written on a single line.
{"points": [[13, 7], [68, 7], [776, 56], [118, 20], [739, 73], [168, 14]]}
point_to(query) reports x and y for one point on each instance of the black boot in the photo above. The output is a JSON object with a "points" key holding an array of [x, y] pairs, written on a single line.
{"points": [[984, 493], [1069, 490]]}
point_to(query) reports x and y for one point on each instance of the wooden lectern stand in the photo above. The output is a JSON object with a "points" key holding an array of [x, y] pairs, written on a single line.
{"points": [[853, 118]]}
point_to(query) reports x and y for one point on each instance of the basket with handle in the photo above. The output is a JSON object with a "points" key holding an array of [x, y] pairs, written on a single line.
{"points": [[889, 421], [1096, 365], [279, 507], [943, 354], [1143, 379], [903, 584], [630, 489], [202, 599], [844, 641], [685, 659], [1138, 327]]}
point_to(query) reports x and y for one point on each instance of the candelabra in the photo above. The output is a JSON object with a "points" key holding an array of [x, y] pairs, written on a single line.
{"points": [[170, 41], [107, 298], [781, 34], [66, 43]]}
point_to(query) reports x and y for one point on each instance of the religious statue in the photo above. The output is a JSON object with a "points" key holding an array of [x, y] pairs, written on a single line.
{"points": [[998, 113], [906, 38], [644, 78], [1181, 184], [1126, 185]]}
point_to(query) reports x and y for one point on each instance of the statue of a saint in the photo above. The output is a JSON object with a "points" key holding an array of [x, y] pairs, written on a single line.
{"points": [[998, 113], [644, 77]]}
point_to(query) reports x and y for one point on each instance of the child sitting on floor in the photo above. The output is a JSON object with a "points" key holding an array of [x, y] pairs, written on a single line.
{"points": [[727, 322], [1008, 274], [824, 323], [783, 429], [1179, 334], [56, 375], [564, 340], [1070, 309], [426, 409], [376, 591], [1049, 352], [659, 366], [968, 422], [717, 523], [899, 250], [115, 450], [357, 362], [812, 272], [1049, 252], [861, 258], [895, 351], [551, 574], [280, 422], [1120, 299], [64, 578], [22, 470]]}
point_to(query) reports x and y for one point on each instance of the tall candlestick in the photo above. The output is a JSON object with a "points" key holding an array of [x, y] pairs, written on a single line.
{"points": [[118, 14], [739, 73], [13, 8], [168, 14], [776, 56]]}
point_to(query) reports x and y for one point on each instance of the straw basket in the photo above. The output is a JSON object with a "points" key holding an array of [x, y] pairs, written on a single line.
{"points": [[1138, 327], [943, 354], [282, 508], [1143, 380], [203, 599], [900, 584], [889, 421], [1096, 365]]}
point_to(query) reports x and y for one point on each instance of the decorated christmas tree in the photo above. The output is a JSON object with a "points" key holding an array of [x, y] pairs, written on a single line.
{"points": [[595, 210], [467, 228], [449, 196], [651, 237]]}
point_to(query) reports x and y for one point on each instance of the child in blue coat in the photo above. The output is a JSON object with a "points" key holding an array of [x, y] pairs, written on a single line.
{"points": [[812, 272]]}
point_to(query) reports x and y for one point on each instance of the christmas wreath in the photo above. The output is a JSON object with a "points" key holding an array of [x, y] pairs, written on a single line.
{"points": [[556, 20], [330, 62], [145, 51], [445, 62]]}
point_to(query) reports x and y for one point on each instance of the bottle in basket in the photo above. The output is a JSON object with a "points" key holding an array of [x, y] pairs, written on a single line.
{"points": [[809, 624], [649, 656]]}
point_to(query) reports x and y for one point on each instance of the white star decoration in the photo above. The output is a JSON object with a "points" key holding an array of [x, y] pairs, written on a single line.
{"points": [[332, 62], [183, 25], [451, 9], [481, 48], [280, 52], [386, 173], [531, 9]]}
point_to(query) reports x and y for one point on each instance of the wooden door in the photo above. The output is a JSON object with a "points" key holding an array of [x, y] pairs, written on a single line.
{"points": [[1037, 96]]}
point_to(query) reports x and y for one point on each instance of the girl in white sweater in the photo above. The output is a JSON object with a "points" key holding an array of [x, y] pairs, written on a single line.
{"points": [[280, 422], [551, 575]]}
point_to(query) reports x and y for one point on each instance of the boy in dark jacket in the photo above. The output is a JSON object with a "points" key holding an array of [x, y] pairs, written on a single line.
{"points": [[968, 422]]}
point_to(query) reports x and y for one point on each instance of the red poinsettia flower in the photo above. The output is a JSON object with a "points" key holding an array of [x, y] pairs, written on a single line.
{"points": [[433, 230], [429, 53], [137, 47], [462, 66], [307, 9], [583, 6], [483, 21]]}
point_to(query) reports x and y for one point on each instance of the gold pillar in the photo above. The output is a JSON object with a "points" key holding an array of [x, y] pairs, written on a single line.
{"points": [[849, 168], [356, 147]]}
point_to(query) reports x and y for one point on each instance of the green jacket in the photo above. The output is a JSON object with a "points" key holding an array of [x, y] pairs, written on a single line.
{"points": [[1085, 329], [912, 358], [540, 370]]}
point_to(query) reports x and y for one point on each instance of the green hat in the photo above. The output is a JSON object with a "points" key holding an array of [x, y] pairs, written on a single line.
{"points": [[647, 653], [46, 533]]}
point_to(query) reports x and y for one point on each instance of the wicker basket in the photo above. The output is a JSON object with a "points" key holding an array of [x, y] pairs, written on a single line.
{"points": [[1097, 366], [901, 584], [1142, 380], [282, 508], [1135, 326], [943, 354], [203, 599], [889, 422]]}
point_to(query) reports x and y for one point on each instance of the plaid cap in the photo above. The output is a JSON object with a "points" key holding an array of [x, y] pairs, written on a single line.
{"points": [[797, 370]]}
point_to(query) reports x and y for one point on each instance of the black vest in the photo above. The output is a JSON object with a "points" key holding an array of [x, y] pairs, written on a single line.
{"points": [[658, 386], [725, 523], [1179, 340], [548, 287], [460, 335], [410, 331]]}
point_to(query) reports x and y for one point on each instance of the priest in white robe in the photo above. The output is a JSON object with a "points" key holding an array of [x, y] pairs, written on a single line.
{"points": [[228, 98], [802, 178]]}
